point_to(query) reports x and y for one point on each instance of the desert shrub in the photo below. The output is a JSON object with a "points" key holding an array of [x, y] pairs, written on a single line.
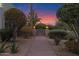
{"points": [[27, 31], [70, 44], [71, 41], [6, 34]]}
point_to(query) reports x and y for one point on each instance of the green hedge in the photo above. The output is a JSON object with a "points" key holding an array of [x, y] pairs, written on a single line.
{"points": [[57, 33]]}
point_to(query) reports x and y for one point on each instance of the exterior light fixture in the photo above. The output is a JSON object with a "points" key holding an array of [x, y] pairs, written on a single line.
{"points": [[34, 27], [47, 27]]}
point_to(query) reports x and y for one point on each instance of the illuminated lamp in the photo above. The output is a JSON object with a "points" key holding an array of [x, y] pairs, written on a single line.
{"points": [[34, 27], [47, 27]]}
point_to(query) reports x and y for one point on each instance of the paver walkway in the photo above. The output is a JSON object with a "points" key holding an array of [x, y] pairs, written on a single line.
{"points": [[40, 46], [43, 46]]}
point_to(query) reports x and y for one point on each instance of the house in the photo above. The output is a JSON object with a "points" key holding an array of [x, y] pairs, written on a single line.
{"points": [[4, 7]]}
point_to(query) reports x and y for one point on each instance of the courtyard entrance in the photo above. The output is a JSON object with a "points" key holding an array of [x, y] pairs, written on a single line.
{"points": [[40, 32]]}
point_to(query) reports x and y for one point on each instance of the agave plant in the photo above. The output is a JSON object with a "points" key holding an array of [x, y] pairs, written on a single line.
{"points": [[14, 48], [71, 35]]}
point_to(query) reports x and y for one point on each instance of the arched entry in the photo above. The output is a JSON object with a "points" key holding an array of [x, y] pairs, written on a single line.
{"points": [[41, 32]]}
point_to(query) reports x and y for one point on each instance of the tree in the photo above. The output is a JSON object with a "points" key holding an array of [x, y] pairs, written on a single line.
{"points": [[69, 13], [14, 16]]}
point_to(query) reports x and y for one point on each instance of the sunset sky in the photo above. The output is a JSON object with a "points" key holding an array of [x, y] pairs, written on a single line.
{"points": [[45, 11]]}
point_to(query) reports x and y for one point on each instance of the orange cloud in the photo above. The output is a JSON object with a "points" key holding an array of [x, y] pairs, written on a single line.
{"points": [[48, 19]]}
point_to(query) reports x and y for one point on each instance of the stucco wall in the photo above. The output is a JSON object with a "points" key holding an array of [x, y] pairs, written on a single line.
{"points": [[4, 7], [1, 18]]}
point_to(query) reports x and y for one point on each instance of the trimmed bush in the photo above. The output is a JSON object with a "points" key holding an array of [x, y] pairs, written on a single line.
{"points": [[57, 35], [41, 26]]}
